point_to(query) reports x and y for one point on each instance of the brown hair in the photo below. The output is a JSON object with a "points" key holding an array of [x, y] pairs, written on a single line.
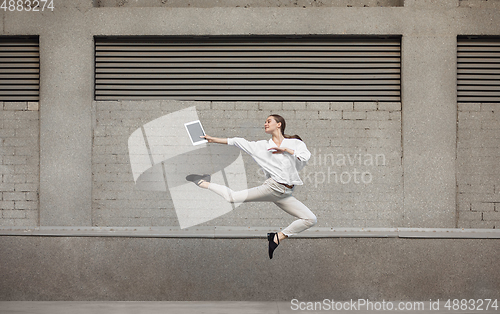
{"points": [[279, 119]]}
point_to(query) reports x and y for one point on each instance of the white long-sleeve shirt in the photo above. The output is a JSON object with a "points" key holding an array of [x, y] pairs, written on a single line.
{"points": [[283, 168]]}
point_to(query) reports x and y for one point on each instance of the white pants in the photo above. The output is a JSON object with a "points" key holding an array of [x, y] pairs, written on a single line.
{"points": [[272, 191]]}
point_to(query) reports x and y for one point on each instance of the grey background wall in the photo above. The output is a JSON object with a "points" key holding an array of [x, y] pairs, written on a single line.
{"points": [[478, 170], [20, 163], [347, 140], [222, 269], [437, 174]]}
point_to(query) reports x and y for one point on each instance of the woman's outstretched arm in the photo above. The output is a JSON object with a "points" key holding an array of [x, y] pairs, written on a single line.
{"points": [[218, 140]]}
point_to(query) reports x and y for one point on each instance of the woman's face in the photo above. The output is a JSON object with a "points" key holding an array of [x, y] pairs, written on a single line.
{"points": [[271, 125]]}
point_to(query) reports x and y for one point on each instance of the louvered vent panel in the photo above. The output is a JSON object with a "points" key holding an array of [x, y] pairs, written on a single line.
{"points": [[251, 68], [478, 69], [19, 68]]}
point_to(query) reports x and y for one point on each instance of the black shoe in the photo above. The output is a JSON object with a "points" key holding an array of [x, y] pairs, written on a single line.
{"points": [[272, 245], [198, 179]]}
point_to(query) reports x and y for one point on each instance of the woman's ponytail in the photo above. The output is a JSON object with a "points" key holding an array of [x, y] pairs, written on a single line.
{"points": [[292, 136]]}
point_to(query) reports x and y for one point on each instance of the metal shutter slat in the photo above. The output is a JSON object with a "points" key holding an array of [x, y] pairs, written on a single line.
{"points": [[267, 77], [16, 87], [19, 68], [194, 41], [18, 65], [476, 93], [255, 59], [237, 54], [147, 64], [222, 71], [248, 67], [477, 77], [17, 54], [343, 83], [18, 61], [479, 82], [4, 82], [12, 92], [476, 43], [268, 98], [476, 87], [481, 71], [472, 49], [479, 66], [479, 54], [478, 60], [239, 49], [255, 72], [24, 48], [7, 77], [245, 87], [202, 91]]}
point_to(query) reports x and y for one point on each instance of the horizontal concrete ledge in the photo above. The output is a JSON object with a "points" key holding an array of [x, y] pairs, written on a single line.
{"points": [[248, 232]]}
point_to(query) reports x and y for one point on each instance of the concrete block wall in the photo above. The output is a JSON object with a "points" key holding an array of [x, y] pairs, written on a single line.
{"points": [[428, 62], [115, 201], [354, 177], [85, 176], [429, 31], [19, 155], [478, 169]]}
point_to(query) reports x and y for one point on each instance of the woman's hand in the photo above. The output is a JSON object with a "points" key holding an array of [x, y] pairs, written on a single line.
{"points": [[281, 150], [209, 138], [212, 139]]}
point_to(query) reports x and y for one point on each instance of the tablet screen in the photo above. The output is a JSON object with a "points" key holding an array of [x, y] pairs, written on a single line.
{"points": [[195, 130]]}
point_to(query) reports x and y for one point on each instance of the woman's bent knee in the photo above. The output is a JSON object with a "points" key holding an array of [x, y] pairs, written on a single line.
{"points": [[229, 198], [311, 221]]}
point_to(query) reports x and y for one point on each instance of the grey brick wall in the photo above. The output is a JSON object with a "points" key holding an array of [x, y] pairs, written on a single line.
{"points": [[354, 178], [19, 153], [478, 173]]}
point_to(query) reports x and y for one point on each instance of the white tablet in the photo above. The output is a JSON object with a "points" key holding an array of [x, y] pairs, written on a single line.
{"points": [[195, 130]]}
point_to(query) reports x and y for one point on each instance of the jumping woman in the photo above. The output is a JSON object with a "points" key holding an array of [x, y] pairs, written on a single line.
{"points": [[281, 158]]}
